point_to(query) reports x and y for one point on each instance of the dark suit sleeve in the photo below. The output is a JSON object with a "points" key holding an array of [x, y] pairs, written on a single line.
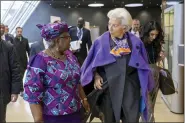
{"points": [[89, 42], [15, 72], [70, 32], [12, 40], [27, 48]]}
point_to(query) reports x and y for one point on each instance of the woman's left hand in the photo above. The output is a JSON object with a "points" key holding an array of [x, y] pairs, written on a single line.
{"points": [[86, 106], [162, 55]]}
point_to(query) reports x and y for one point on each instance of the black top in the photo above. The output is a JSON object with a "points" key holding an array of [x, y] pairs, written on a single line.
{"points": [[22, 47], [152, 53]]}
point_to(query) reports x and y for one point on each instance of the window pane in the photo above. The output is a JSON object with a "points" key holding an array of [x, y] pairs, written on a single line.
{"points": [[5, 5], [16, 13], [15, 8]]}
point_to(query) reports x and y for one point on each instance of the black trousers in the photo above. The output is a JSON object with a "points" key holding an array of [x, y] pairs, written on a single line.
{"points": [[130, 104], [3, 106]]}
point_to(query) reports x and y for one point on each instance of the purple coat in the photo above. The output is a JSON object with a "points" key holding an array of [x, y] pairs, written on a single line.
{"points": [[99, 55]]}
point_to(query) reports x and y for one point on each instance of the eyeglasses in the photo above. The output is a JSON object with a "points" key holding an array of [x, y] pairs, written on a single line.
{"points": [[113, 25], [66, 37]]}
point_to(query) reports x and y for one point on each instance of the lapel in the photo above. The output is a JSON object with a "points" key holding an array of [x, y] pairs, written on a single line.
{"points": [[76, 32]]}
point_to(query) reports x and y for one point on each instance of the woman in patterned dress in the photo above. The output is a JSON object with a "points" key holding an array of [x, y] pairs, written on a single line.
{"points": [[52, 84]]}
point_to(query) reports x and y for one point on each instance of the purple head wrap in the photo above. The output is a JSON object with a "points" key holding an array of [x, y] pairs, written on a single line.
{"points": [[52, 30]]}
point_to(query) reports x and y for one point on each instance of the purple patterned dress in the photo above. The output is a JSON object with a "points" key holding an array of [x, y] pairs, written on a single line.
{"points": [[54, 84]]}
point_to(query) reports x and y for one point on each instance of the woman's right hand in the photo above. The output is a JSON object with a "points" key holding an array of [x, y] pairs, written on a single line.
{"points": [[98, 81]]}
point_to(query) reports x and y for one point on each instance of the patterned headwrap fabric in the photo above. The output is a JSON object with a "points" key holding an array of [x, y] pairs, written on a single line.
{"points": [[52, 30]]}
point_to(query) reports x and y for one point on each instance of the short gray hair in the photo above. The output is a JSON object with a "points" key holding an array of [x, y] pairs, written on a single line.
{"points": [[123, 15]]}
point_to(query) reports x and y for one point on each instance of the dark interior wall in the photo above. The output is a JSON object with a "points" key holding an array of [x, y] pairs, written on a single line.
{"points": [[145, 15], [96, 16]]}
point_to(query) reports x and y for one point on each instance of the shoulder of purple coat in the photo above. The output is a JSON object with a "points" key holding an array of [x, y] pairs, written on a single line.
{"points": [[138, 42], [86, 75], [135, 39], [88, 65]]}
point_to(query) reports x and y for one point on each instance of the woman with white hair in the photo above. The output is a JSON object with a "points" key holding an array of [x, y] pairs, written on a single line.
{"points": [[117, 66]]}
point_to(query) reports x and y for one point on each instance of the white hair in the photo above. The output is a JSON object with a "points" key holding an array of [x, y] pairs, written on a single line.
{"points": [[121, 14]]}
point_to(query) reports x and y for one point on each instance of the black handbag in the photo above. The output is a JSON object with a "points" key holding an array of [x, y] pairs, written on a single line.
{"points": [[166, 84], [93, 100]]}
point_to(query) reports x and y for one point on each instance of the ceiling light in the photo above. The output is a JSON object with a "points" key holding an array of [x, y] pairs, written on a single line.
{"points": [[172, 3], [69, 7], [134, 5], [96, 5]]}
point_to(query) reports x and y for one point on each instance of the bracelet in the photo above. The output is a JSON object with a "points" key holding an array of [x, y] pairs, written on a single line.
{"points": [[84, 99]]}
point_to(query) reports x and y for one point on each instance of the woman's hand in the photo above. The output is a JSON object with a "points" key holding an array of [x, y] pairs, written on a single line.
{"points": [[98, 81], [162, 55], [86, 105]]}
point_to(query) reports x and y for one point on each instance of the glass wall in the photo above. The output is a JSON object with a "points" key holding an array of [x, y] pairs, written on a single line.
{"points": [[16, 13], [168, 29]]}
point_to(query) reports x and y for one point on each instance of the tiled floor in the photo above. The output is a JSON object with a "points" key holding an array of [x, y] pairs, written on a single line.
{"points": [[20, 112]]}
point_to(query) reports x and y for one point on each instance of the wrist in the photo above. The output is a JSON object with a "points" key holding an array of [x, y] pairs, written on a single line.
{"points": [[84, 99], [96, 75], [38, 119]]}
